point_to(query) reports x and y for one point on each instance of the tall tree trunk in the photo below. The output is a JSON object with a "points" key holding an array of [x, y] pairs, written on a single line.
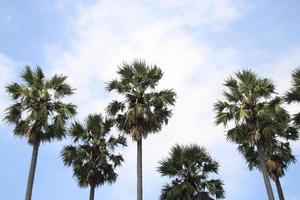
{"points": [[262, 162], [139, 170], [30, 179], [279, 189], [92, 192]]}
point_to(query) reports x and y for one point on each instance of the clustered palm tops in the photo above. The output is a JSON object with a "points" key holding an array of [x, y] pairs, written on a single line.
{"points": [[254, 118]]}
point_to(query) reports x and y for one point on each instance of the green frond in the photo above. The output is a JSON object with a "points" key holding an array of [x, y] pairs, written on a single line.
{"points": [[144, 110], [56, 81], [68, 153], [246, 76], [126, 71], [117, 160], [231, 83], [35, 113], [59, 87], [219, 106], [108, 124], [237, 134], [21, 128], [161, 98], [39, 75], [114, 107], [223, 118], [226, 112], [28, 76], [95, 124], [215, 187], [13, 114], [117, 86], [113, 141], [296, 119], [292, 133], [14, 90], [293, 95], [66, 109]]}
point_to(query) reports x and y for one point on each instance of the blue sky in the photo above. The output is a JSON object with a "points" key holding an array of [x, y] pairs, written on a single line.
{"points": [[196, 43]]}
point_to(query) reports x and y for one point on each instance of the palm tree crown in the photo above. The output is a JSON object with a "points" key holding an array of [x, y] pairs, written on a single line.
{"points": [[37, 111], [190, 167], [144, 110], [255, 113], [92, 155]]}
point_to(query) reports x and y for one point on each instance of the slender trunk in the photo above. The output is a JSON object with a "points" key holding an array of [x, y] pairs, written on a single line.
{"points": [[139, 170], [92, 192], [30, 180], [279, 189], [262, 160]]}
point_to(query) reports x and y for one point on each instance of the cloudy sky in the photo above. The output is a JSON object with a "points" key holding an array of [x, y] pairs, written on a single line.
{"points": [[196, 43]]}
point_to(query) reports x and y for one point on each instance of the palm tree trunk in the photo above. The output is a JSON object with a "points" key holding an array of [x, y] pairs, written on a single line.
{"points": [[30, 179], [262, 160], [139, 170], [92, 192], [279, 189]]}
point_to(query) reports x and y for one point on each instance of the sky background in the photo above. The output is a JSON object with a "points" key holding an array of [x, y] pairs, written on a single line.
{"points": [[196, 43]]}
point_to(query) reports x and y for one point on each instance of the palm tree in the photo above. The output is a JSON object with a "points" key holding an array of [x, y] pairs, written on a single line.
{"points": [[189, 167], [278, 152], [277, 164], [92, 155], [293, 95], [144, 110], [254, 112], [279, 157], [38, 113]]}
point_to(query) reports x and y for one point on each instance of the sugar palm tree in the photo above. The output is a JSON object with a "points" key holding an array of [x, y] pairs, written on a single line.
{"points": [[189, 167], [92, 155], [37, 112], [143, 110], [279, 157], [277, 164], [278, 152], [293, 95], [250, 106]]}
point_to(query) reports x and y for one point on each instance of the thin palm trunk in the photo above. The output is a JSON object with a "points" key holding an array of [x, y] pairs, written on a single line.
{"points": [[139, 170], [262, 160], [279, 189], [92, 192], [30, 180]]}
